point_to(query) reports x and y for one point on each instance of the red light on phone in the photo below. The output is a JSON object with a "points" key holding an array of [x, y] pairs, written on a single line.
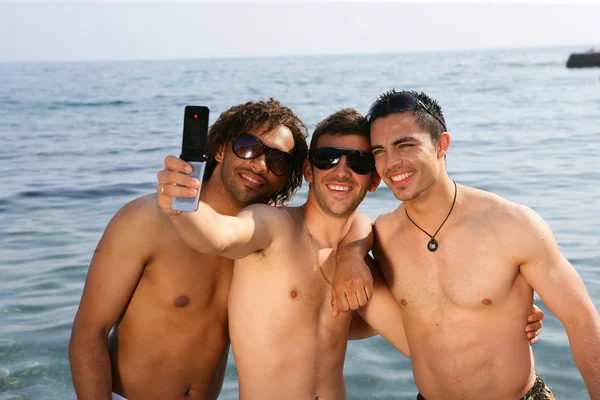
{"points": [[195, 116]]}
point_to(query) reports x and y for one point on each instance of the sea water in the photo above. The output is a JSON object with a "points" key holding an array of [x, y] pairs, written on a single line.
{"points": [[79, 140]]}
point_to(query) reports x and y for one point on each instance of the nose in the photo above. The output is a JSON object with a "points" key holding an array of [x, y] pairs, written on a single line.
{"points": [[259, 164], [389, 162], [341, 169]]}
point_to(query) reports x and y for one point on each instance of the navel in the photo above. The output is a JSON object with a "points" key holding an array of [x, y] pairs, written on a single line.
{"points": [[487, 302], [404, 302], [293, 294], [181, 301]]}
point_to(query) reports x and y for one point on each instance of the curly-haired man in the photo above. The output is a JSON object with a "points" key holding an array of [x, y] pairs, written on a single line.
{"points": [[170, 338]]}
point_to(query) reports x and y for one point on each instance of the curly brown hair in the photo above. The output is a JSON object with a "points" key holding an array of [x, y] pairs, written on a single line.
{"points": [[260, 115]]}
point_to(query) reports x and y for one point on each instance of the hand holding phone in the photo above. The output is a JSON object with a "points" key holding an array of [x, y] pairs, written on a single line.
{"points": [[193, 150]]}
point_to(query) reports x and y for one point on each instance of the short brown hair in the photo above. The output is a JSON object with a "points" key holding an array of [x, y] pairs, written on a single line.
{"points": [[346, 121]]}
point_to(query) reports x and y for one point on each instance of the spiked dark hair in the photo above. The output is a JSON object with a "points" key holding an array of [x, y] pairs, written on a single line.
{"points": [[428, 113]]}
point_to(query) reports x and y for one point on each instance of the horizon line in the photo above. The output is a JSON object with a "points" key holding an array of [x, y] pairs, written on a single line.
{"points": [[308, 55]]}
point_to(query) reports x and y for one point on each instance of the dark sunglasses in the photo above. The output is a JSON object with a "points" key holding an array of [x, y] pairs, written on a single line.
{"points": [[327, 157], [248, 147], [400, 102]]}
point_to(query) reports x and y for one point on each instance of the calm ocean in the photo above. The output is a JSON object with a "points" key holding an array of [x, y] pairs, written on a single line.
{"points": [[79, 140]]}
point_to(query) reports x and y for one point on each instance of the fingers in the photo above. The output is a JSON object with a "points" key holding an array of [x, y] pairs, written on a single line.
{"points": [[164, 200], [361, 296], [369, 289], [177, 164], [536, 314], [353, 295], [175, 173], [532, 341], [534, 324], [533, 336], [352, 300], [533, 327], [335, 309], [171, 190], [168, 177], [339, 294], [173, 182]]}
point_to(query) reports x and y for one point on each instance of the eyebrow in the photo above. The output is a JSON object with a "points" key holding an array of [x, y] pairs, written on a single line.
{"points": [[396, 142]]}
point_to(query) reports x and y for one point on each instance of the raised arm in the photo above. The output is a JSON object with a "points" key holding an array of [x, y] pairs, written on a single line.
{"points": [[114, 272], [207, 231], [352, 280], [560, 287]]}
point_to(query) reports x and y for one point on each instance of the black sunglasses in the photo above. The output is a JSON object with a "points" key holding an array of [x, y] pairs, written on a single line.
{"points": [[248, 147], [327, 157], [400, 102]]}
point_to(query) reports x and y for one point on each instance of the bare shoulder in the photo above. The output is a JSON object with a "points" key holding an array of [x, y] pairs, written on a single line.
{"points": [[505, 213], [387, 222], [139, 220], [517, 226], [363, 217], [273, 221], [130, 239], [266, 213]]}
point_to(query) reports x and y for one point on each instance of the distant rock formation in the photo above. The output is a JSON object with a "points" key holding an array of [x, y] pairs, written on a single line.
{"points": [[590, 58]]}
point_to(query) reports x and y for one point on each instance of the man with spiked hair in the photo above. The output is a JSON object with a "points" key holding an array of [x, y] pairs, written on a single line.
{"points": [[463, 264]]}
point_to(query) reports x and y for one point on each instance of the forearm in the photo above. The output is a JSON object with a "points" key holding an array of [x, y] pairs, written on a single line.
{"points": [[90, 367], [352, 281], [584, 339], [202, 230], [359, 329], [358, 241], [385, 316]]}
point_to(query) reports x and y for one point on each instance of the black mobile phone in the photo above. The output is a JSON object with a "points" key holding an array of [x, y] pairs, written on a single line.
{"points": [[193, 150]]}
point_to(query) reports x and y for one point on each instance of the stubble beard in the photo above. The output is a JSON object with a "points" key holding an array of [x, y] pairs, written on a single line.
{"points": [[244, 196], [407, 196], [322, 202]]}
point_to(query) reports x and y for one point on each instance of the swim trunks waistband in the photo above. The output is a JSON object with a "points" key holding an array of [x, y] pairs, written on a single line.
{"points": [[539, 391]]}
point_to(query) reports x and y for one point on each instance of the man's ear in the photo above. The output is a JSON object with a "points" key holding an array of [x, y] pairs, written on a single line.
{"points": [[307, 171], [374, 182], [220, 154], [444, 144]]}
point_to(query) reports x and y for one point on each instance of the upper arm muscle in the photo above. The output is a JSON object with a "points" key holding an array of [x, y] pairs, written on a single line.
{"points": [[116, 266]]}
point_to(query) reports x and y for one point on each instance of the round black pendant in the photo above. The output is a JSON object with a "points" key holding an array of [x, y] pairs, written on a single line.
{"points": [[432, 245]]}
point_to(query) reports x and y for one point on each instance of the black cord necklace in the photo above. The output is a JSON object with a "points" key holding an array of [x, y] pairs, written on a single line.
{"points": [[433, 244]]}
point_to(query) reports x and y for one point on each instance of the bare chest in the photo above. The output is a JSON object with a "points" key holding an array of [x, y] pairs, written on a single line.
{"points": [[469, 270], [184, 279], [287, 284]]}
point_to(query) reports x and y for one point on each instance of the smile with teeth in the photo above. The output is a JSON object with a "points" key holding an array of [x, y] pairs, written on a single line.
{"points": [[251, 179], [401, 177], [339, 188]]}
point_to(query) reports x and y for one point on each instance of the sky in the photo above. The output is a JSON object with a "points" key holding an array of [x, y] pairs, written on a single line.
{"points": [[132, 30]]}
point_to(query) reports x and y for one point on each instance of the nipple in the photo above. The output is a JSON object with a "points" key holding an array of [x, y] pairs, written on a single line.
{"points": [[181, 301]]}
